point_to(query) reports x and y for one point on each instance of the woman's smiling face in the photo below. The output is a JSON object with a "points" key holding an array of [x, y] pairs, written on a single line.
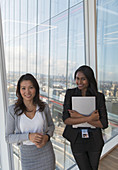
{"points": [[27, 90], [81, 81]]}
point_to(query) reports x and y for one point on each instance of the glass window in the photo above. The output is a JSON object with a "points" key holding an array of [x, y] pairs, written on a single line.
{"points": [[76, 42], [75, 2], [16, 58], [16, 157], [11, 47], [7, 36], [51, 48], [107, 44], [58, 56], [58, 6], [43, 11], [57, 86], [17, 18], [76, 57], [43, 57], [31, 49], [32, 11], [23, 54], [23, 16], [11, 20], [31, 36]]}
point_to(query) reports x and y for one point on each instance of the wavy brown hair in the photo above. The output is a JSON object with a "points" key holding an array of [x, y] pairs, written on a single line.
{"points": [[19, 105]]}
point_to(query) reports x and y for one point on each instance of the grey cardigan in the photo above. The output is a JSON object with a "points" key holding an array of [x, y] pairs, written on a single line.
{"points": [[13, 133]]}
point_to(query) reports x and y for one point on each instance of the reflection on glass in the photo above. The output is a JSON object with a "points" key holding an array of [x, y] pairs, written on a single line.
{"points": [[43, 11], [75, 2], [16, 56], [23, 55], [32, 11], [58, 6], [43, 57], [31, 60], [107, 43], [23, 16], [16, 156], [58, 57], [57, 86], [17, 18], [76, 42]]}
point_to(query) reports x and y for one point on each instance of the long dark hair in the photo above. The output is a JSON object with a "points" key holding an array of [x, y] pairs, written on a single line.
{"points": [[88, 72], [19, 105]]}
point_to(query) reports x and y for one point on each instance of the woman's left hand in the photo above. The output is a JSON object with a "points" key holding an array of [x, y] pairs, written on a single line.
{"points": [[94, 116], [43, 142]]}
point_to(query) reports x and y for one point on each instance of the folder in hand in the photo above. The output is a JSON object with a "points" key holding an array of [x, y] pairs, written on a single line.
{"points": [[84, 106]]}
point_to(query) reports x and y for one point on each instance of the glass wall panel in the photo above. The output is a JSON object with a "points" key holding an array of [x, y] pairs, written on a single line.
{"points": [[107, 44], [6, 22], [57, 86], [58, 56], [17, 17], [11, 47], [43, 10], [31, 60], [46, 40], [16, 156], [43, 57], [76, 42], [16, 43], [76, 58], [11, 19], [16, 60], [75, 2], [23, 36], [32, 11], [23, 54], [58, 6], [23, 16], [7, 35]]}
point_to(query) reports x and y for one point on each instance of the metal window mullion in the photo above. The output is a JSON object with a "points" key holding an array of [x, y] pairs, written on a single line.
{"points": [[36, 35], [14, 40], [27, 63], [6, 154], [68, 26], [90, 33], [49, 52], [20, 38]]}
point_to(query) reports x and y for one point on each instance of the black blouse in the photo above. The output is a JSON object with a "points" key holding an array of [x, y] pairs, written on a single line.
{"points": [[100, 106]]}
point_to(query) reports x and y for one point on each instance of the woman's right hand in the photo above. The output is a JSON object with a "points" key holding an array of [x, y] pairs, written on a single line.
{"points": [[94, 116], [75, 114], [36, 138]]}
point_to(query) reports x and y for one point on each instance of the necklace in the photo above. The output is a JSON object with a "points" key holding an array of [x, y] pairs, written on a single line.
{"points": [[31, 109], [30, 113]]}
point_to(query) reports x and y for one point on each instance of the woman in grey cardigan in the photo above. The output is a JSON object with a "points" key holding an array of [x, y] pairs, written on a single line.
{"points": [[29, 124]]}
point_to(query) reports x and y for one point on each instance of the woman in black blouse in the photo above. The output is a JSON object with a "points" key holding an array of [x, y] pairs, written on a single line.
{"points": [[86, 143]]}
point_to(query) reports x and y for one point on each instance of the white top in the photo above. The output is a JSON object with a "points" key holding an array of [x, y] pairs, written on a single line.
{"points": [[34, 125]]}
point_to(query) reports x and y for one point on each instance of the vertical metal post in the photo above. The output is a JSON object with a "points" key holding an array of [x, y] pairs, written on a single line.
{"points": [[5, 154], [90, 33]]}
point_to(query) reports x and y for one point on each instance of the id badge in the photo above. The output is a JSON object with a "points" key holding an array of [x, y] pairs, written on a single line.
{"points": [[85, 133]]}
